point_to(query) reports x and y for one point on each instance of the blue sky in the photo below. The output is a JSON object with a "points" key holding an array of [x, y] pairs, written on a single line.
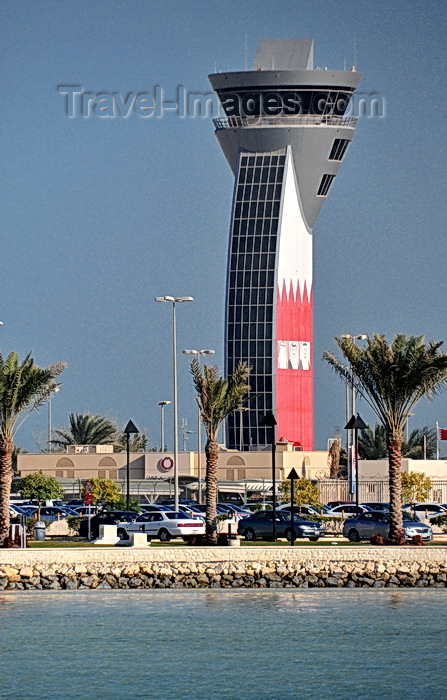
{"points": [[99, 215]]}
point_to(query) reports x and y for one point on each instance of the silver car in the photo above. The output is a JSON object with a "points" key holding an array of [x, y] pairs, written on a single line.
{"points": [[365, 525], [424, 510], [260, 525]]}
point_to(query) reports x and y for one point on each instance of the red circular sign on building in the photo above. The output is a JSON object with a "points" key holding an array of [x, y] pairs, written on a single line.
{"points": [[166, 464]]}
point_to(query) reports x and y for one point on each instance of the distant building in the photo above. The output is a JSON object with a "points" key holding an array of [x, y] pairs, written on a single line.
{"points": [[149, 468], [284, 136]]}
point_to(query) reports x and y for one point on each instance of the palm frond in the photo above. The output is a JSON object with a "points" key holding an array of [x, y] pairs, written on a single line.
{"points": [[23, 388]]}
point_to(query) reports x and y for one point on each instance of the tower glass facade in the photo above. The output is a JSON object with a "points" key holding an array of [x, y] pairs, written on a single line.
{"points": [[251, 286]]}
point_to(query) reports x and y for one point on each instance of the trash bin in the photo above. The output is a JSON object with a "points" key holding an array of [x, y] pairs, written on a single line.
{"points": [[39, 531]]}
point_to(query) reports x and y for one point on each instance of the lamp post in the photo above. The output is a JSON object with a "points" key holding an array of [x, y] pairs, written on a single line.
{"points": [[128, 430], [162, 405], [408, 416], [269, 422], [186, 432], [174, 301], [353, 339], [355, 424], [55, 390], [241, 409], [293, 476], [198, 354]]}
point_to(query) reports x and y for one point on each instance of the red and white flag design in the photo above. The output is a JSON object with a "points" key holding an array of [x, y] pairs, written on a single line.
{"points": [[442, 433]]}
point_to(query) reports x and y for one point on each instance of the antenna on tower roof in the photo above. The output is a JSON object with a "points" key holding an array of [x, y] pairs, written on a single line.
{"points": [[355, 50], [246, 51]]}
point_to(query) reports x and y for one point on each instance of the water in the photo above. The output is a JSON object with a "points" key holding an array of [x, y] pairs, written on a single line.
{"points": [[268, 644]]}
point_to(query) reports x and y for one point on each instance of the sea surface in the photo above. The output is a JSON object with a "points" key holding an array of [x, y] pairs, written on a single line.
{"points": [[260, 644]]}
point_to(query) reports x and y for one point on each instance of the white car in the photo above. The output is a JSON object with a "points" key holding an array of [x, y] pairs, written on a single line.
{"points": [[86, 510], [347, 510], [164, 525], [424, 510]]}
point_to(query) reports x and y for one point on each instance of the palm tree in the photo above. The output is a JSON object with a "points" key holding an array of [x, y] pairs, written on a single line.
{"points": [[372, 445], [85, 429], [392, 378], [217, 398], [23, 388], [413, 448], [138, 443]]}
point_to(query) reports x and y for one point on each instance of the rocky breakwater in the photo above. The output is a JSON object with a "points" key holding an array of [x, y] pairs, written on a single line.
{"points": [[272, 570]]}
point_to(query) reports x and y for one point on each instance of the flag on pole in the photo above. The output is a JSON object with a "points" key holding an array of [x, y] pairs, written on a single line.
{"points": [[442, 433]]}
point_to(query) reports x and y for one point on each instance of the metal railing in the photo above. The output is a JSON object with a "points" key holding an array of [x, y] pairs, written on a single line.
{"points": [[296, 120], [372, 491]]}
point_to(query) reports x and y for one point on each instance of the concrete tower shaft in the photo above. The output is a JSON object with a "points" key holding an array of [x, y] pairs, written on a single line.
{"points": [[284, 136]]}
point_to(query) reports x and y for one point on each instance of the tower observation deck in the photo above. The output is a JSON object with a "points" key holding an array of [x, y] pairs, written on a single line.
{"points": [[284, 135]]}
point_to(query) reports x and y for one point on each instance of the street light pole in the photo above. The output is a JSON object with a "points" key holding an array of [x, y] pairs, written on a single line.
{"points": [[241, 409], [174, 301], [269, 421], [355, 424], [55, 390], [128, 430], [162, 404], [352, 338], [198, 354]]}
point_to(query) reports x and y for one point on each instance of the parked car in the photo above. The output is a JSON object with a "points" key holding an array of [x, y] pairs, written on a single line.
{"points": [[334, 504], [152, 507], [347, 510], [111, 517], [365, 525], [260, 525], [52, 513], [16, 511], [164, 525], [234, 510], [83, 511], [303, 509], [190, 511], [184, 501], [202, 508], [424, 510], [375, 505]]}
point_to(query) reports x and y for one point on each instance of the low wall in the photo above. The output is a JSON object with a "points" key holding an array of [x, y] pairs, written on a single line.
{"points": [[223, 567]]}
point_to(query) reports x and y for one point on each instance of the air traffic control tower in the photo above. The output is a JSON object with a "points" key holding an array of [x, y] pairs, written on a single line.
{"points": [[284, 136]]}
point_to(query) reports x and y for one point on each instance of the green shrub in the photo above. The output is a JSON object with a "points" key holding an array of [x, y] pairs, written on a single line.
{"points": [[441, 521], [74, 522]]}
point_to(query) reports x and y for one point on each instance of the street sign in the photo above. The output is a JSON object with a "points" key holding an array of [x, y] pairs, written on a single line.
{"points": [[88, 493]]}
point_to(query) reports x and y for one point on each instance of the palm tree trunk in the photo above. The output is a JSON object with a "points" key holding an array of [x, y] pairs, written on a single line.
{"points": [[394, 447], [211, 454], [6, 449]]}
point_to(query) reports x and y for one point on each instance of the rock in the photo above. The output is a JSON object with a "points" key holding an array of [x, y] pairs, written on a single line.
{"points": [[272, 577], [135, 582]]}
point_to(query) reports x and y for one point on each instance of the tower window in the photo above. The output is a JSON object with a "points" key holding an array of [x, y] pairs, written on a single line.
{"points": [[326, 182], [338, 149]]}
